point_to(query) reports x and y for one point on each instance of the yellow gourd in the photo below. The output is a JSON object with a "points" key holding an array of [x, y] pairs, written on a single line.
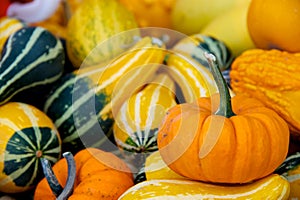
{"points": [[271, 187], [272, 76]]}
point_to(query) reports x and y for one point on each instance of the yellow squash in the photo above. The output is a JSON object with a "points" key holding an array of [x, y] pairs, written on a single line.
{"points": [[271, 187]]}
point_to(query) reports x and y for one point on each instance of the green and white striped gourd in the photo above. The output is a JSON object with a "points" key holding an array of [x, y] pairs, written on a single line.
{"points": [[27, 134], [31, 58], [82, 104]]}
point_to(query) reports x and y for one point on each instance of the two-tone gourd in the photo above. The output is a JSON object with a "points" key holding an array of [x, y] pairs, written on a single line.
{"points": [[26, 135], [32, 59], [83, 103], [189, 68], [137, 122], [273, 186]]}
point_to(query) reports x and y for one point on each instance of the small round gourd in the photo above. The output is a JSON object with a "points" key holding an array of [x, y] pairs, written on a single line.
{"points": [[27, 134]]}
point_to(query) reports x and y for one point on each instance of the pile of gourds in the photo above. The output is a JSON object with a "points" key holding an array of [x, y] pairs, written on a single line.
{"points": [[146, 113]]}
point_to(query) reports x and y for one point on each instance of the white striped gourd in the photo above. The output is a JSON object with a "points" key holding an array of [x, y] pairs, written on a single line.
{"points": [[27, 134], [189, 68], [139, 118], [271, 187], [31, 58], [83, 102]]}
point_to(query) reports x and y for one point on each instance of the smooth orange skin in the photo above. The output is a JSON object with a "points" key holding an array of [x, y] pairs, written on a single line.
{"points": [[251, 144], [99, 175], [275, 24]]}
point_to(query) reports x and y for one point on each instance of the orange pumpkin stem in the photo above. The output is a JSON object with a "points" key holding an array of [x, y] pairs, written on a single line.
{"points": [[225, 107], [60, 192]]}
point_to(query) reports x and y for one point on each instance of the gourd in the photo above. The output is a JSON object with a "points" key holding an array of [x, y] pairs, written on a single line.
{"points": [[153, 13], [93, 22], [27, 134], [32, 60], [83, 103], [271, 187], [290, 169], [223, 139], [136, 124], [189, 68], [8, 26], [272, 77], [98, 175]]}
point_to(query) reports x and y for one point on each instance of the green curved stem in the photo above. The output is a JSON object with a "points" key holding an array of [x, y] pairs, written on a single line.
{"points": [[60, 192], [225, 108]]}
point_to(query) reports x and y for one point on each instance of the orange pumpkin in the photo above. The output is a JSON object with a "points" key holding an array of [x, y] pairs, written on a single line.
{"points": [[223, 139], [99, 175]]}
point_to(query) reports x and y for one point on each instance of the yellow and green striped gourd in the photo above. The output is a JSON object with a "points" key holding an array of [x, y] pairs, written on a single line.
{"points": [[26, 134]]}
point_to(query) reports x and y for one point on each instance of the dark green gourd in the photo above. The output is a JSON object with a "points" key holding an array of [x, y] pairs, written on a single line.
{"points": [[31, 58]]}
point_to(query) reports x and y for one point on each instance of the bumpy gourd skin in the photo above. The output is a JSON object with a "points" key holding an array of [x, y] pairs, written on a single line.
{"points": [[271, 76]]}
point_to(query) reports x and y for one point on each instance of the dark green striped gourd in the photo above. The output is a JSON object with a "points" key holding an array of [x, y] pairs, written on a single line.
{"points": [[26, 134], [32, 58], [73, 106]]}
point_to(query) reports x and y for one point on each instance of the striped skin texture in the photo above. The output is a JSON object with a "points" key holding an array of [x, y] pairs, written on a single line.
{"points": [[7, 27], [138, 120], [93, 23], [31, 57], [73, 106], [270, 187], [24, 139], [81, 104]]}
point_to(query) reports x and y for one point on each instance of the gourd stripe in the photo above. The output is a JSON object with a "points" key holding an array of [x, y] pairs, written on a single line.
{"points": [[66, 84], [154, 100], [34, 122], [133, 61], [23, 52], [6, 30], [16, 174], [185, 85], [124, 119], [14, 126], [137, 120], [130, 80], [47, 81], [46, 57], [50, 100]]}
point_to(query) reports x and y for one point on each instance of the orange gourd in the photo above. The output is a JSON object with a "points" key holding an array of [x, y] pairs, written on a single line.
{"points": [[272, 76], [222, 139], [99, 175]]}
